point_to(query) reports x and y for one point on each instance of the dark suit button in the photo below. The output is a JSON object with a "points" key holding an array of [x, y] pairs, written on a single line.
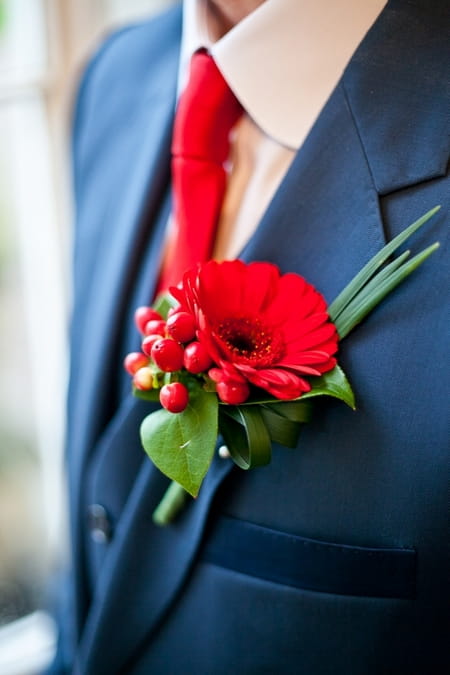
{"points": [[99, 524]]}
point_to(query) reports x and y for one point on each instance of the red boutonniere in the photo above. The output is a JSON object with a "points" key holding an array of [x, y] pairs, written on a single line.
{"points": [[241, 350]]}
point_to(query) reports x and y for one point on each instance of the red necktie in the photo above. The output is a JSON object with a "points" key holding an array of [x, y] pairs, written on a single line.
{"points": [[206, 112]]}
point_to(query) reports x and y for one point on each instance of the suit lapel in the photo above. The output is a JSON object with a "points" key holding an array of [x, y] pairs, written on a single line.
{"points": [[400, 104], [324, 223]]}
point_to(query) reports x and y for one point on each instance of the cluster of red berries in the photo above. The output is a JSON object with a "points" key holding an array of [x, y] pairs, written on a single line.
{"points": [[167, 347]]}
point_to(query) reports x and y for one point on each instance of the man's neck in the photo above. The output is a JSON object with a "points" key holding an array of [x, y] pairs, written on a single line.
{"points": [[227, 13]]}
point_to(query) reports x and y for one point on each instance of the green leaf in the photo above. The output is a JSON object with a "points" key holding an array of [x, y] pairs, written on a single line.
{"points": [[181, 445], [246, 435], [357, 283], [163, 303], [334, 383], [281, 429], [296, 410]]}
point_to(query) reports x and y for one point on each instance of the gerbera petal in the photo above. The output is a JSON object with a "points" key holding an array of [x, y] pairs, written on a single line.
{"points": [[258, 326], [221, 288], [311, 302], [226, 375], [272, 375], [294, 329], [290, 288], [206, 338], [305, 370], [280, 383], [178, 294], [328, 348], [260, 286], [322, 367], [288, 394], [316, 337], [305, 358]]}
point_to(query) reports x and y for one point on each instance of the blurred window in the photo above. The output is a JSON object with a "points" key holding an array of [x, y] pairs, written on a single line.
{"points": [[43, 45], [32, 312]]}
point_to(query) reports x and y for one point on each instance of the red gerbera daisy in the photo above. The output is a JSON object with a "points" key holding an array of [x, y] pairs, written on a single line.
{"points": [[259, 326]]}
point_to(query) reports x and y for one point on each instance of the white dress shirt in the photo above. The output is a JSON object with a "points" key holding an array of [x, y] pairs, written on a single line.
{"points": [[282, 61]]}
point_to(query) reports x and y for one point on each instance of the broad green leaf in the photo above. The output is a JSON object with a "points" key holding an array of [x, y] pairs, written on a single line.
{"points": [[349, 292], [181, 445], [334, 383]]}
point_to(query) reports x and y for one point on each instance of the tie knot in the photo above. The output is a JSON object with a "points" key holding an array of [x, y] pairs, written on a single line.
{"points": [[206, 112]]}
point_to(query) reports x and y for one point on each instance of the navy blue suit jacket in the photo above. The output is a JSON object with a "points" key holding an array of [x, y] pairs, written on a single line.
{"points": [[335, 558]]}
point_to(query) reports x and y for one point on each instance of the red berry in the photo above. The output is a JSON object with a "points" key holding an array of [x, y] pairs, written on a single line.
{"points": [[233, 393], [155, 327], [143, 315], [143, 379], [168, 355], [174, 397], [148, 342], [134, 361], [181, 326], [196, 358]]}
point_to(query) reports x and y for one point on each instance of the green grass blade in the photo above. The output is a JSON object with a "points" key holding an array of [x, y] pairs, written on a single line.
{"points": [[351, 290], [362, 307], [369, 288]]}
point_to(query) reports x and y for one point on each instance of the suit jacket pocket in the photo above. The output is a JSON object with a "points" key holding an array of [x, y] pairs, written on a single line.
{"points": [[310, 564]]}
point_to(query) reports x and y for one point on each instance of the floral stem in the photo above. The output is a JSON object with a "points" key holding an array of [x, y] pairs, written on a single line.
{"points": [[170, 505]]}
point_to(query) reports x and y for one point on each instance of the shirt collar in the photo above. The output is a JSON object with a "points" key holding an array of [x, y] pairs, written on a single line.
{"points": [[195, 35], [277, 59]]}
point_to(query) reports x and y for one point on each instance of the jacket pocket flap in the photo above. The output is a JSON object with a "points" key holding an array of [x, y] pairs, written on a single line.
{"points": [[308, 563]]}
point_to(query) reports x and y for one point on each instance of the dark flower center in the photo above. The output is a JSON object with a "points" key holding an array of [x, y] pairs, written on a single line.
{"points": [[249, 340]]}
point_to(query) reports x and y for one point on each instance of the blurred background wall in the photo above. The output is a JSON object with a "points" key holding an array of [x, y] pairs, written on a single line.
{"points": [[43, 47]]}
